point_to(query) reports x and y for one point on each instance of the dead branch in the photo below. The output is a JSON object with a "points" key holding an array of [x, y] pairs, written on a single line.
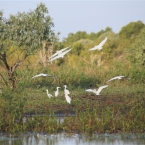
{"points": [[4, 79]]}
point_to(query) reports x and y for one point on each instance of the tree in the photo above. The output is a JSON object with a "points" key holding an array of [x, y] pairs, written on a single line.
{"points": [[26, 33], [136, 52], [75, 37], [131, 30]]}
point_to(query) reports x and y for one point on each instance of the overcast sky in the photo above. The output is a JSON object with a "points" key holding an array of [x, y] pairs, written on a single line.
{"points": [[70, 16]]}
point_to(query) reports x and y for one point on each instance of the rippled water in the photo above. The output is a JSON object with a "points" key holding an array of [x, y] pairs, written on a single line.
{"points": [[71, 139]]}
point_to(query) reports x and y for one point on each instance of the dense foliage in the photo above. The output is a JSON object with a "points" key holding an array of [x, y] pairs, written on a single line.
{"points": [[23, 34]]}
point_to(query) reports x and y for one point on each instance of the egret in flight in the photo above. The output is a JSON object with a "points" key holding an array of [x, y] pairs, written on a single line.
{"points": [[57, 91], [99, 47], [117, 77], [97, 92], [49, 95], [41, 74], [61, 55], [59, 52]]}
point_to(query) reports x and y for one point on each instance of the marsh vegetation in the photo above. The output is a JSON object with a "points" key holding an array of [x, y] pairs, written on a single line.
{"points": [[119, 108]]}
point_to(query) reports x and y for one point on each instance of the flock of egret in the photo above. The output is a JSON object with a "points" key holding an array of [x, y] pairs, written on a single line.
{"points": [[97, 92], [66, 94], [60, 54]]}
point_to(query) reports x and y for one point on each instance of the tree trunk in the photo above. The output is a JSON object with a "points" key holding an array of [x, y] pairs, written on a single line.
{"points": [[11, 70], [46, 52], [11, 80]]}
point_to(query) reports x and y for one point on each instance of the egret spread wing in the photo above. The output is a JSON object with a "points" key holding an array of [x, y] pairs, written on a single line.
{"points": [[117, 77], [99, 47], [35, 76], [103, 42], [111, 79], [91, 90], [59, 52], [54, 58], [54, 54], [66, 52], [60, 55], [100, 88], [94, 48], [40, 75]]}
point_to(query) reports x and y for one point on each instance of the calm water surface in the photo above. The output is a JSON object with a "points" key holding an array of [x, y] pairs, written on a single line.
{"points": [[71, 139]]}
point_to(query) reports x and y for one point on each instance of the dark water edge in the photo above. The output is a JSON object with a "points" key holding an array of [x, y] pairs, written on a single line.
{"points": [[63, 138]]}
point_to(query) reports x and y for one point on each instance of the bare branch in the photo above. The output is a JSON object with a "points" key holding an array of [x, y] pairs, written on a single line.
{"points": [[4, 79], [4, 59], [18, 63]]}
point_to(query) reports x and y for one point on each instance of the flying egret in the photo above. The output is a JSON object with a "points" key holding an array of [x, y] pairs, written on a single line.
{"points": [[49, 95], [68, 99], [97, 92], [117, 77], [65, 90], [41, 74], [60, 55], [99, 47], [59, 52], [57, 91]]}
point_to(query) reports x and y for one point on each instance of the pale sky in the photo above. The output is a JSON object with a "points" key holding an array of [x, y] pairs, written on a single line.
{"points": [[70, 16]]}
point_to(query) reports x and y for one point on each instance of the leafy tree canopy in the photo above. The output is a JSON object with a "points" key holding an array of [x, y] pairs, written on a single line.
{"points": [[27, 30], [136, 53], [131, 30], [26, 33]]}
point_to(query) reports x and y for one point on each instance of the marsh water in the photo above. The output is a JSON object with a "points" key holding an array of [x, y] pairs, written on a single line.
{"points": [[71, 139], [63, 138]]}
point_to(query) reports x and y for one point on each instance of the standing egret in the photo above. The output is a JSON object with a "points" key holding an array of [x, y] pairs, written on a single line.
{"points": [[61, 55], [99, 47], [57, 91], [97, 92], [65, 90], [41, 74], [49, 95], [59, 52], [117, 77], [68, 99]]}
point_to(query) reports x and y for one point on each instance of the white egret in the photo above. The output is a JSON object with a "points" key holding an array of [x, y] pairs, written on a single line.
{"points": [[99, 47], [61, 55], [49, 95], [57, 91], [59, 52], [68, 99], [117, 77], [41, 74], [65, 90], [97, 92]]}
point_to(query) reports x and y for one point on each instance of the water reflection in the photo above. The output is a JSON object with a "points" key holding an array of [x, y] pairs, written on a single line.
{"points": [[71, 139]]}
